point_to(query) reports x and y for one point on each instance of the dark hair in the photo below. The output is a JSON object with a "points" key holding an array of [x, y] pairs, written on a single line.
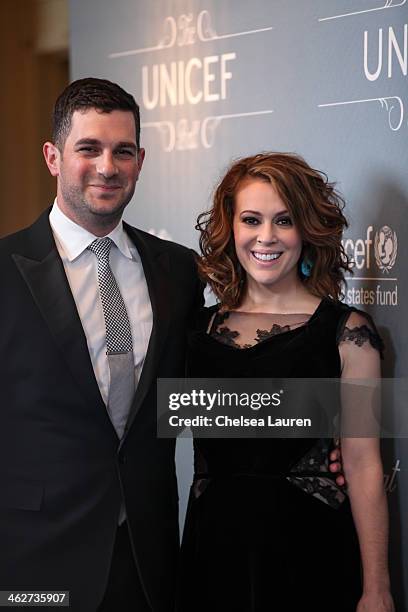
{"points": [[84, 94], [316, 210]]}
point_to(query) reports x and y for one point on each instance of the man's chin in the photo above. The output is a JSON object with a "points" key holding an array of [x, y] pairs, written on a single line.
{"points": [[107, 210]]}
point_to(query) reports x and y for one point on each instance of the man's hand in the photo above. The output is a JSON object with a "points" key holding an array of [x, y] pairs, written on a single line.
{"points": [[336, 466]]}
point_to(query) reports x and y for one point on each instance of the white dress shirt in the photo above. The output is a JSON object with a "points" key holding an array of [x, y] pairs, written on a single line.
{"points": [[80, 266]]}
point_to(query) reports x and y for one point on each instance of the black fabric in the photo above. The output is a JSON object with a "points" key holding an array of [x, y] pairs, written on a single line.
{"points": [[124, 591], [63, 471], [253, 540]]}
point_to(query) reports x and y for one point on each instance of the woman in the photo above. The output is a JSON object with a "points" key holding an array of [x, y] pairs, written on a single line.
{"points": [[262, 531]]}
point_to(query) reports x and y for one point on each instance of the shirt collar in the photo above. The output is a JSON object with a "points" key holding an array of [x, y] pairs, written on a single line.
{"points": [[75, 239]]}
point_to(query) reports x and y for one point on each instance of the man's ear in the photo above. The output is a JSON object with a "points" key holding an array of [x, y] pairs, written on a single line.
{"points": [[140, 157], [52, 158]]}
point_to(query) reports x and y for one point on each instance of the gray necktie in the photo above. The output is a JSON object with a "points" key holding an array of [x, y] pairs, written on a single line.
{"points": [[119, 346]]}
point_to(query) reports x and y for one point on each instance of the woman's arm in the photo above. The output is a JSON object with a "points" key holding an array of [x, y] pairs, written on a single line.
{"points": [[364, 473]]}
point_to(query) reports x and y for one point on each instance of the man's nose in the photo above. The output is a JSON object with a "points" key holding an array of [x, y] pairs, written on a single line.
{"points": [[106, 165]]}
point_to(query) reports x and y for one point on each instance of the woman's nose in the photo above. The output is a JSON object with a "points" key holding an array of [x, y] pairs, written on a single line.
{"points": [[267, 234]]}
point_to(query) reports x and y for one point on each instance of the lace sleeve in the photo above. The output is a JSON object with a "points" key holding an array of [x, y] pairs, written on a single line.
{"points": [[360, 347], [358, 329]]}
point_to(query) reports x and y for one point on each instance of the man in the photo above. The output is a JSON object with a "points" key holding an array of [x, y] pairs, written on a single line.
{"points": [[88, 500]]}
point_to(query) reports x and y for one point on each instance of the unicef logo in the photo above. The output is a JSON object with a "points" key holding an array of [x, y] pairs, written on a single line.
{"points": [[385, 248]]}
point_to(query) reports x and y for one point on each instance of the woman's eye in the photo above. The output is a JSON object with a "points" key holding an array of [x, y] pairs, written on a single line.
{"points": [[250, 220], [284, 221]]}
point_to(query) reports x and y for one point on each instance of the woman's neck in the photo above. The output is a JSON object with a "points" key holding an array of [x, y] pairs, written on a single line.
{"points": [[286, 300]]}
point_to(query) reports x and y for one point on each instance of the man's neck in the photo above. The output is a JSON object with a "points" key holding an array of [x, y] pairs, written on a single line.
{"points": [[99, 226]]}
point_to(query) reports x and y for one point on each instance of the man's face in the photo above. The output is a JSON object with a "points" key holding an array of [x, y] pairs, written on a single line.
{"points": [[97, 169]]}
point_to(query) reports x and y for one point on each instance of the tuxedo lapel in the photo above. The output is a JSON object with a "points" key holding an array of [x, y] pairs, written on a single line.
{"points": [[41, 267], [156, 267]]}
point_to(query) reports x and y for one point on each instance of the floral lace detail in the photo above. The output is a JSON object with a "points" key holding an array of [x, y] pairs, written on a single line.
{"points": [[228, 336], [264, 334], [362, 334], [310, 474], [225, 335], [322, 487]]}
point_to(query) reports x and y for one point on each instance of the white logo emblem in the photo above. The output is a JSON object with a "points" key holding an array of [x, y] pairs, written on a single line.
{"points": [[385, 248]]}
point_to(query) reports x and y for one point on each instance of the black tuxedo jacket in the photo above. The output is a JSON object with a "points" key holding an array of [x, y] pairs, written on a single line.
{"points": [[63, 470]]}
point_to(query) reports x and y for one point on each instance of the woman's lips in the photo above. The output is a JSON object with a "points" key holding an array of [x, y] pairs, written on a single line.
{"points": [[266, 258]]}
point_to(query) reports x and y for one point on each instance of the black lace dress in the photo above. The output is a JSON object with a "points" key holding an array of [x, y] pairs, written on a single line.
{"points": [[258, 535]]}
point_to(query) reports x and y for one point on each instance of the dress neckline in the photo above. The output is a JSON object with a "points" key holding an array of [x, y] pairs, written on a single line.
{"points": [[305, 325], [273, 314], [282, 314]]}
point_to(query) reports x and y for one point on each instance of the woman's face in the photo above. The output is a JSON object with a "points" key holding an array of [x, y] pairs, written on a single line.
{"points": [[267, 244]]}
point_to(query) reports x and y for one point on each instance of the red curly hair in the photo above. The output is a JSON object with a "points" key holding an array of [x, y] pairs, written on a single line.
{"points": [[316, 210]]}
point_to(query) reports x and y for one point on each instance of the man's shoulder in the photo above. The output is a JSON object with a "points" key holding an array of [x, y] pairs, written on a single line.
{"points": [[15, 241], [13, 246], [158, 244], [22, 241]]}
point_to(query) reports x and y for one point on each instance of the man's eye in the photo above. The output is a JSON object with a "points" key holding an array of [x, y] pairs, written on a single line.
{"points": [[87, 149], [250, 220], [126, 152]]}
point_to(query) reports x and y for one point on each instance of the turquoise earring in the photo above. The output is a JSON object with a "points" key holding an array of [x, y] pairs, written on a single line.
{"points": [[306, 267]]}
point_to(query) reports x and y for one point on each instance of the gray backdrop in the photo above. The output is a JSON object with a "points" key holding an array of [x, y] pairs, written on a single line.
{"points": [[217, 79]]}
